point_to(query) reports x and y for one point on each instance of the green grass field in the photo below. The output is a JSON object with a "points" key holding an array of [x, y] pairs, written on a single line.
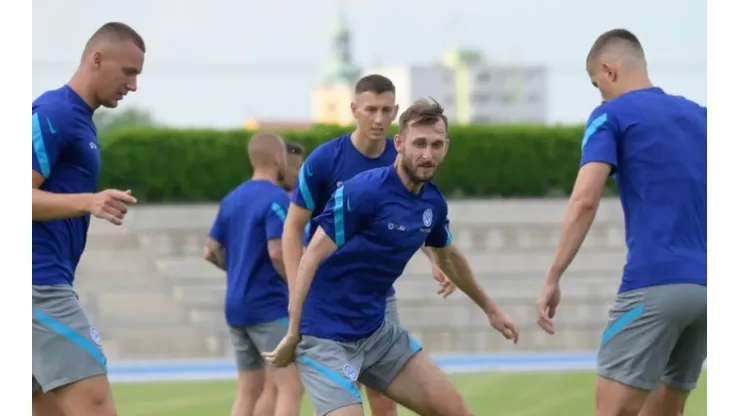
{"points": [[505, 394]]}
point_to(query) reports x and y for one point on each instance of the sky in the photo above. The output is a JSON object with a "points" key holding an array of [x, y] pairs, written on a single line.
{"points": [[215, 64]]}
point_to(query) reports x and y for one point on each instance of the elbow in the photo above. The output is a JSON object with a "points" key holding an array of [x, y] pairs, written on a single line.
{"points": [[585, 202]]}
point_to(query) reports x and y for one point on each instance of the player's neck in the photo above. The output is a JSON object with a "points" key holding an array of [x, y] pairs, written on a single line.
{"points": [[264, 175], [366, 146], [84, 89], [410, 185], [636, 82]]}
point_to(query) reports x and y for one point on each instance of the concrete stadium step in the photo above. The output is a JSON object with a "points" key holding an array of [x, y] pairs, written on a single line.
{"points": [[188, 266], [170, 343], [136, 304], [529, 211], [214, 318], [171, 217], [115, 242], [203, 295], [112, 261], [90, 280], [525, 261], [471, 237], [488, 341], [175, 242]]}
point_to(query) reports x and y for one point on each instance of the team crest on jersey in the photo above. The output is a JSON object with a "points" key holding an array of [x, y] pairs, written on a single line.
{"points": [[350, 372], [427, 217], [95, 336]]}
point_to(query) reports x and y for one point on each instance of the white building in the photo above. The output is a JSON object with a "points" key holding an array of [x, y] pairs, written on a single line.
{"points": [[473, 91]]}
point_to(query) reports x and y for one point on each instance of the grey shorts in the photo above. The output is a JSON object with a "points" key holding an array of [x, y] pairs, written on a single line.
{"points": [[391, 311], [65, 347], [656, 334], [251, 341], [330, 369]]}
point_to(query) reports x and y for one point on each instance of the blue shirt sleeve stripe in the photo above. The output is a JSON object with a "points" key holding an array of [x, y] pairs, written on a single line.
{"points": [[39, 147], [449, 235], [592, 128], [278, 210], [339, 216], [303, 187]]}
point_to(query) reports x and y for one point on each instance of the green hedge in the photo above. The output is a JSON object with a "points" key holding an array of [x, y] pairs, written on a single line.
{"points": [[165, 165]]}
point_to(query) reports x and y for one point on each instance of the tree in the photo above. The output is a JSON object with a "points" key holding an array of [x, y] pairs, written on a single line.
{"points": [[106, 120]]}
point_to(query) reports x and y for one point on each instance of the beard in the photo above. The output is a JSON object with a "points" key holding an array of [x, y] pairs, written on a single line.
{"points": [[410, 171]]}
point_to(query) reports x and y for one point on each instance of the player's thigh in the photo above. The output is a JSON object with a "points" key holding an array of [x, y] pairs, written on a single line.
{"points": [[247, 354], [266, 337], [328, 370], [422, 387], [66, 350], [392, 359], [687, 358], [391, 311]]}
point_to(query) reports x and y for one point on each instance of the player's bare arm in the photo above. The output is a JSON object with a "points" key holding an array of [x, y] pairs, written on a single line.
{"points": [[292, 241], [580, 214], [446, 286], [110, 205], [320, 247], [275, 252], [457, 268], [215, 253]]}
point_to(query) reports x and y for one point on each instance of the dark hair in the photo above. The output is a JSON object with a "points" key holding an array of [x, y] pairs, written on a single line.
{"points": [[422, 112], [375, 83], [294, 148], [120, 32], [608, 38]]}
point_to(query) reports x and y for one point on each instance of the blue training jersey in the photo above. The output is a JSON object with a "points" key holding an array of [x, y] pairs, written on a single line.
{"points": [[377, 225], [66, 152], [657, 146], [248, 217], [326, 168]]}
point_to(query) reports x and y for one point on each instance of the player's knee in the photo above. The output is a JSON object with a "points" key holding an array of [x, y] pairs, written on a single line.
{"points": [[665, 400], [91, 397]]}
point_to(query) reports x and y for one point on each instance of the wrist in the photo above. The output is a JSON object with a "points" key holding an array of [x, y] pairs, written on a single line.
{"points": [[84, 203], [553, 275], [490, 307]]}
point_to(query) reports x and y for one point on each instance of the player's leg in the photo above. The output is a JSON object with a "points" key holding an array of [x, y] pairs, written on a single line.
{"points": [[266, 403], [398, 367], [250, 373], [644, 327], [67, 358], [44, 404], [328, 370], [288, 385], [381, 405], [686, 360]]}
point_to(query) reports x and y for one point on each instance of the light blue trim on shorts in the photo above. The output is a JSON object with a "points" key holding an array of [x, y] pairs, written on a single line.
{"points": [[345, 383], [622, 322], [72, 336], [415, 346]]}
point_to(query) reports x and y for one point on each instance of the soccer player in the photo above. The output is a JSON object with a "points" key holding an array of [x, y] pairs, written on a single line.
{"points": [[266, 403], [245, 242], [69, 367], [365, 236], [328, 166], [654, 145]]}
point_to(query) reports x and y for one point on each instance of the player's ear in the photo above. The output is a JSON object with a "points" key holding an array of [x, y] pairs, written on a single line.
{"points": [[398, 142], [353, 107], [97, 58]]}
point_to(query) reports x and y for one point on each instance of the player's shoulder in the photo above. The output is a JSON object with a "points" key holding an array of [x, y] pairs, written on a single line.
{"points": [[52, 104], [329, 149], [368, 181]]}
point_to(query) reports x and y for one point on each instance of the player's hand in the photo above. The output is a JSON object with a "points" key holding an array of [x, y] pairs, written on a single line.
{"points": [[504, 324], [547, 305], [446, 287], [283, 354], [111, 205]]}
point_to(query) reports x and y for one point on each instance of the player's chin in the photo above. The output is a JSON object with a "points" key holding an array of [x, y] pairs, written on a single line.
{"points": [[110, 103], [425, 174]]}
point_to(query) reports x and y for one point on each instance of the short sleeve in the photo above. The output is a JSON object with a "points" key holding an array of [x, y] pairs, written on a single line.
{"points": [[440, 235], [219, 228], [349, 208], [48, 140], [599, 142], [276, 218], [310, 182]]}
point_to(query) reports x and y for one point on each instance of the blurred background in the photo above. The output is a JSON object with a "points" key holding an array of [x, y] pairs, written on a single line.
{"points": [[288, 65]]}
